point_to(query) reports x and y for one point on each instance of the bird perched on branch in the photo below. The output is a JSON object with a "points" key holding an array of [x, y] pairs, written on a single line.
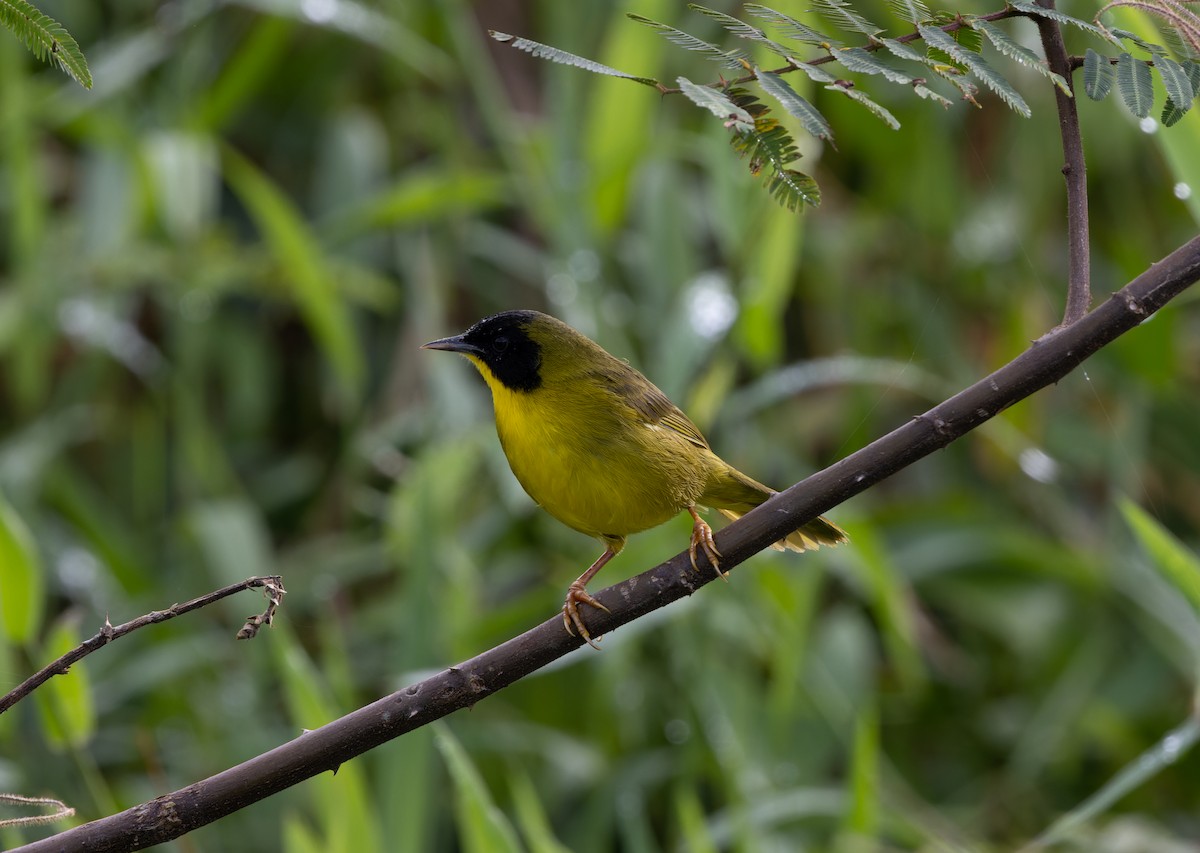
{"points": [[600, 448]]}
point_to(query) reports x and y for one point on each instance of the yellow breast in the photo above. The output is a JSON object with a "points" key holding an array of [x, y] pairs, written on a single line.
{"points": [[592, 463]]}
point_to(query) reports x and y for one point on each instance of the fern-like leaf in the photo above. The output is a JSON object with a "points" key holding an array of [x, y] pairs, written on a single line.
{"points": [[925, 92], [816, 73], [769, 146], [796, 106], [950, 73], [877, 110], [1192, 69], [1134, 84], [1031, 8], [1148, 46], [790, 187], [554, 54], [864, 62], [913, 11], [46, 38], [1098, 75], [935, 37], [743, 30], [842, 14], [728, 58], [716, 103], [1176, 82], [1171, 114], [790, 27], [1018, 52]]}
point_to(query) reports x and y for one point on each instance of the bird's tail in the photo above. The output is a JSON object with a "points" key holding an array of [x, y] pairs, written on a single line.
{"points": [[741, 494], [820, 531]]}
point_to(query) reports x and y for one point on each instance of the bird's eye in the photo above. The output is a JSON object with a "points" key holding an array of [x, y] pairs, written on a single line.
{"points": [[500, 344]]}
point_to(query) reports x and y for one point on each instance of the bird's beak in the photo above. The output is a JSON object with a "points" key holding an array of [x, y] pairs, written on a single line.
{"points": [[453, 344]]}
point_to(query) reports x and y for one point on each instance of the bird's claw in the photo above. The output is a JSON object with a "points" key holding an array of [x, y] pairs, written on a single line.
{"points": [[572, 619], [702, 539]]}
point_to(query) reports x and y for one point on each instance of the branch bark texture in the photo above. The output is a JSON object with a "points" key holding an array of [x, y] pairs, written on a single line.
{"points": [[271, 584], [1046, 361], [1079, 272]]}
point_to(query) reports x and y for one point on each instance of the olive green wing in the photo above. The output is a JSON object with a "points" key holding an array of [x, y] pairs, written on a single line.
{"points": [[651, 405]]}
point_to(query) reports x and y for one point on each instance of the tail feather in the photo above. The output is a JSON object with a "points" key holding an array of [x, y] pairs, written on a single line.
{"points": [[734, 494], [820, 531]]}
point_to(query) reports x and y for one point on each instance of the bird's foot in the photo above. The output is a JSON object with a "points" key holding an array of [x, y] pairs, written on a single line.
{"points": [[572, 619], [702, 539]]}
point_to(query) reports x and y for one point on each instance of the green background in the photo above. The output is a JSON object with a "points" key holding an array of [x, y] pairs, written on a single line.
{"points": [[216, 269]]}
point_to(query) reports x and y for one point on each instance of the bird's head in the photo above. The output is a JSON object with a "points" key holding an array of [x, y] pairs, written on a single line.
{"points": [[504, 347]]}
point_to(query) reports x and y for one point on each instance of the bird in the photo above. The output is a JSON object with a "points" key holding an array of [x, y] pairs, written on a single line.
{"points": [[600, 448]]}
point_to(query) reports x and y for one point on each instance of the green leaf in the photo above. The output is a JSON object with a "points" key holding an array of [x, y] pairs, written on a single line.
{"points": [[1031, 8], [790, 187], [862, 818], [842, 14], [1192, 69], [864, 62], [728, 58], [531, 817], [306, 275], [715, 102], [913, 11], [859, 96], [925, 92], [792, 28], [1176, 82], [1174, 560], [1098, 75], [742, 29], [934, 37], [21, 578], [1171, 114], [796, 106], [65, 702], [553, 54], [949, 73], [768, 144], [46, 38], [1018, 52], [1148, 46], [1134, 84], [482, 826], [816, 73]]}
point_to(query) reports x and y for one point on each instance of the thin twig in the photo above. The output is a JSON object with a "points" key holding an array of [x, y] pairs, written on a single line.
{"points": [[1079, 274], [61, 810], [328, 747], [272, 586]]}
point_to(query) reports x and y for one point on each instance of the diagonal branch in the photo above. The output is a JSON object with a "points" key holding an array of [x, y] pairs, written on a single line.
{"points": [[1079, 294], [1045, 362], [272, 586]]}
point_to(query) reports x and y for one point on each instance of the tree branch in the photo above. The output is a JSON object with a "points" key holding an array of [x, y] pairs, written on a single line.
{"points": [[272, 586], [1079, 275], [1047, 361]]}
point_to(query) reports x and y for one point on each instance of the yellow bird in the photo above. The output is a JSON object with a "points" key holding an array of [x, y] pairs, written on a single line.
{"points": [[600, 448]]}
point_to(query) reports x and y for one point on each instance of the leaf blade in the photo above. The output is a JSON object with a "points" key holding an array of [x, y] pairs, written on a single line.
{"points": [[562, 57], [978, 66], [795, 105], [1098, 75], [1135, 85], [715, 102], [1018, 52]]}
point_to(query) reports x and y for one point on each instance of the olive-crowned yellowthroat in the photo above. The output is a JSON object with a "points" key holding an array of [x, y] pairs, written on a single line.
{"points": [[600, 448]]}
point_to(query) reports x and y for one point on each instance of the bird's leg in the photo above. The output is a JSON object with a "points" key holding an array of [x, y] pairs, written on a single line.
{"points": [[577, 594], [702, 538]]}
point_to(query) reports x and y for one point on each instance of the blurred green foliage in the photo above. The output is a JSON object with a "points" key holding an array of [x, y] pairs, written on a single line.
{"points": [[217, 267]]}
